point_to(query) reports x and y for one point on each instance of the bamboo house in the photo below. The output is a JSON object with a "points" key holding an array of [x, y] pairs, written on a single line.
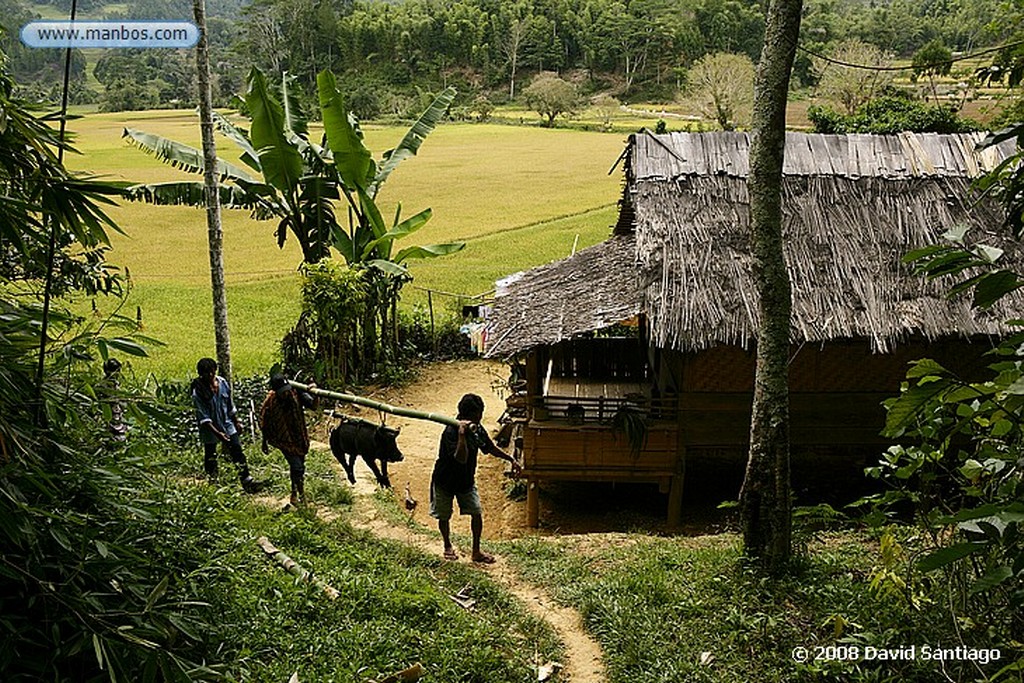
{"points": [[653, 330]]}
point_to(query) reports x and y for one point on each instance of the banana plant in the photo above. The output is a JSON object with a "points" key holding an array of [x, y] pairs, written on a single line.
{"points": [[369, 240], [296, 181]]}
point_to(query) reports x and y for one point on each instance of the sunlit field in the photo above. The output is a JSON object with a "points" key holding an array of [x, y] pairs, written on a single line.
{"points": [[518, 197]]}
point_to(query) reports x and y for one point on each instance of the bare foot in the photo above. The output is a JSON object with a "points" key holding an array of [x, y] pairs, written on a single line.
{"points": [[483, 558], [450, 554]]}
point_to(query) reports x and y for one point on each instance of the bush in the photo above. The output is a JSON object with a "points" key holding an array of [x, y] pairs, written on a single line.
{"points": [[891, 114], [550, 96], [827, 120], [93, 583], [445, 343], [365, 102], [327, 335], [481, 108]]}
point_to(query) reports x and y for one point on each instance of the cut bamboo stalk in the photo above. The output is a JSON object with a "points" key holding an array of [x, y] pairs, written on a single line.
{"points": [[295, 569], [409, 675]]}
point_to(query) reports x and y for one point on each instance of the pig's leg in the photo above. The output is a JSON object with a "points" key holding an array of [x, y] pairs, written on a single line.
{"points": [[382, 478]]}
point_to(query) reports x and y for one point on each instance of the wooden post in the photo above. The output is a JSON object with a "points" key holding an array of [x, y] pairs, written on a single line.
{"points": [[675, 493], [430, 306], [532, 505]]}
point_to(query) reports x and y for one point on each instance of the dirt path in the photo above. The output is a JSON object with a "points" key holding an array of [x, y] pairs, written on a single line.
{"points": [[439, 389], [583, 661]]}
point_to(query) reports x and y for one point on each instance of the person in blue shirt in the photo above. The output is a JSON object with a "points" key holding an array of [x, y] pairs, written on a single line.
{"points": [[218, 423]]}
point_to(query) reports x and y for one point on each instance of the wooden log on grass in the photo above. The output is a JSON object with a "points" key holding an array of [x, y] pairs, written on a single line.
{"points": [[295, 569]]}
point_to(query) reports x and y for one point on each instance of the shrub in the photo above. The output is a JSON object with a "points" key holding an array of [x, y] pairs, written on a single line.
{"points": [[365, 102], [326, 337], [891, 114]]}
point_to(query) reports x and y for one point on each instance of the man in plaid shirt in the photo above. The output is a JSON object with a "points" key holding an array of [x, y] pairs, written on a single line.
{"points": [[284, 427]]}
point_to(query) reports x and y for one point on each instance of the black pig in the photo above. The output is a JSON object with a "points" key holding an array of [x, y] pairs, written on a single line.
{"points": [[369, 441]]}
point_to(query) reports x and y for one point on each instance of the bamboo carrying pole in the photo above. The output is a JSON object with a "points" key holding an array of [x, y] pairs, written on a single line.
{"points": [[377, 405]]}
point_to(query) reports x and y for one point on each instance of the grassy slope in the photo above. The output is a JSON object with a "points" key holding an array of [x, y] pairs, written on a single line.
{"points": [[675, 609], [393, 610], [663, 609], [517, 196]]}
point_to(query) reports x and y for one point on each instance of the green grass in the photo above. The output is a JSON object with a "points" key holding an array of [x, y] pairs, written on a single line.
{"points": [[393, 610], [180, 315], [661, 607], [518, 196]]}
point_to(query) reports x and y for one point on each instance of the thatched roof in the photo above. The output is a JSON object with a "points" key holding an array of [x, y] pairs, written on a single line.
{"points": [[591, 290], [896, 157], [853, 205]]}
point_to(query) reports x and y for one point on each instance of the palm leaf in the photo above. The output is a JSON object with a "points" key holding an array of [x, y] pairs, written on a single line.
{"points": [[75, 203], [180, 156], [239, 137], [281, 161], [410, 144], [351, 157]]}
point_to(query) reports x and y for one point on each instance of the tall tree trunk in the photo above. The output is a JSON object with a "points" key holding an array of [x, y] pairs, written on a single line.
{"points": [[215, 232], [512, 77], [765, 499]]}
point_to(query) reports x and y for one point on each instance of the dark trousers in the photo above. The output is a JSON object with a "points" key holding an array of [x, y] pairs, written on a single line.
{"points": [[297, 472], [233, 448]]}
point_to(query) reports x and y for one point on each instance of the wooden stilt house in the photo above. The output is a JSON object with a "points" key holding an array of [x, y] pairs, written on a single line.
{"points": [[653, 329]]}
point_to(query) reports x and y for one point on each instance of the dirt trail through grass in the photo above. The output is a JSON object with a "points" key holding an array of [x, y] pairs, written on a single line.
{"points": [[583, 661], [439, 389]]}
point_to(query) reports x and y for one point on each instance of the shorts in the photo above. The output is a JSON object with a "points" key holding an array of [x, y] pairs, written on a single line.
{"points": [[441, 502]]}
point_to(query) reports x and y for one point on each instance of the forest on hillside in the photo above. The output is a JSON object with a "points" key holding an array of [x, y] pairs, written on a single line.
{"points": [[389, 56]]}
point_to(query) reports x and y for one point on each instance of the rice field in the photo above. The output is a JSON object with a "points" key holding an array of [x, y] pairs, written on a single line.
{"points": [[518, 196]]}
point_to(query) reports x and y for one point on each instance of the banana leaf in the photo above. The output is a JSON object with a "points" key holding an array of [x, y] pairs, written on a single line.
{"points": [[429, 251], [240, 138], [406, 227], [179, 155], [293, 119], [389, 267], [191, 193], [281, 161], [351, 157], [412, 140]]}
